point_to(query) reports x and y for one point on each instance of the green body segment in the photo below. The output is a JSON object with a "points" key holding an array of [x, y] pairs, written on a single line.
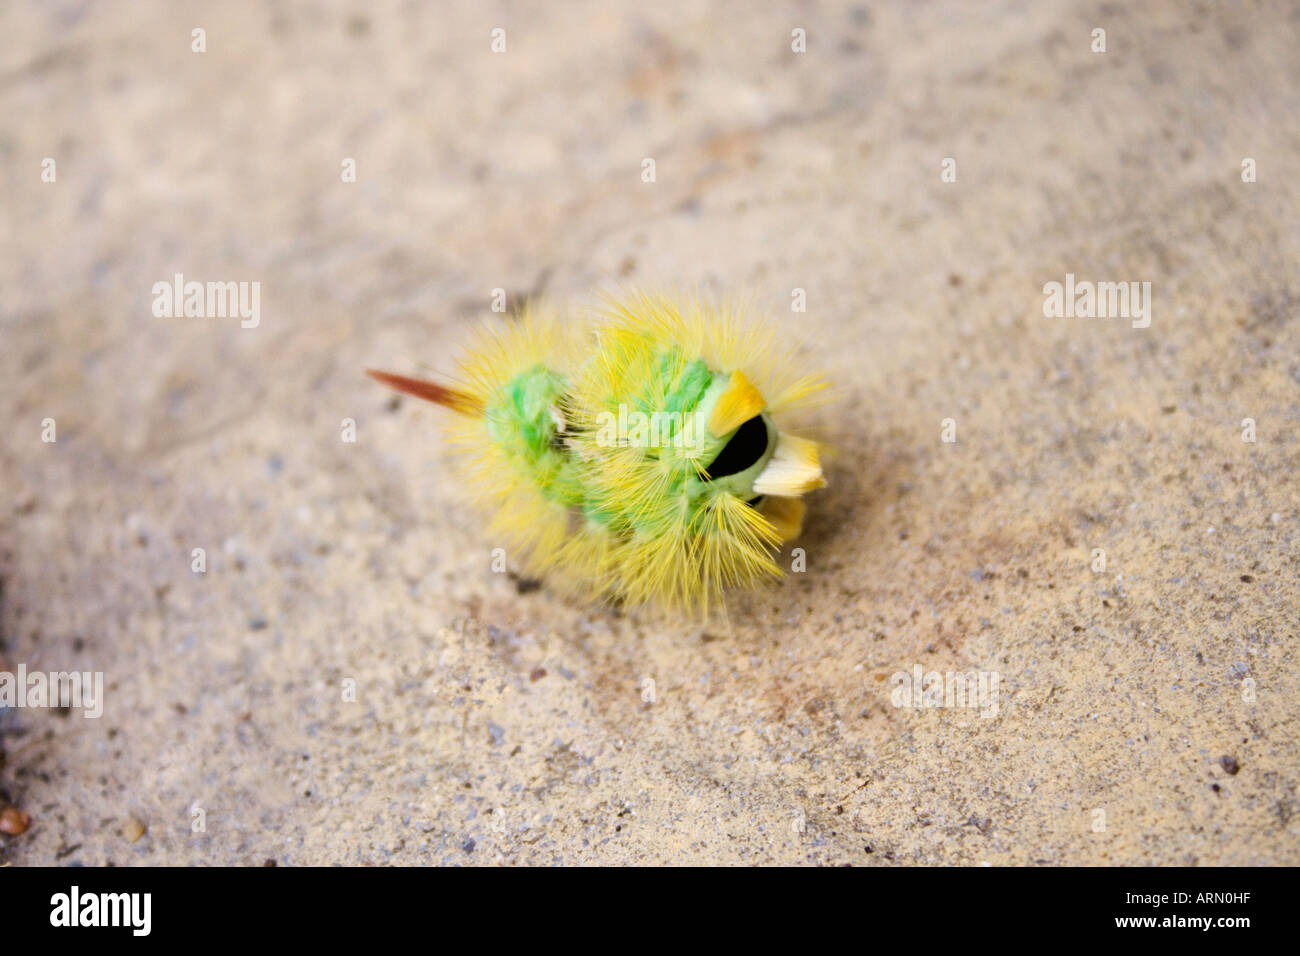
{"points": [[529, 419], [525, 420]]}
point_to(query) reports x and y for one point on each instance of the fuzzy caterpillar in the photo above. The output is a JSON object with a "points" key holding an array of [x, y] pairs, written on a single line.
{"points": [[636, 453]]}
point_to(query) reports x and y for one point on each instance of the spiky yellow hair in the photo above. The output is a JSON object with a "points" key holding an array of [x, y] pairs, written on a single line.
{"points": [[673, 515]]}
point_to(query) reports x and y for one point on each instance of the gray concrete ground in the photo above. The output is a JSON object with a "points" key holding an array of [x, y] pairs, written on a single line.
{"points": [[1147, 712]]}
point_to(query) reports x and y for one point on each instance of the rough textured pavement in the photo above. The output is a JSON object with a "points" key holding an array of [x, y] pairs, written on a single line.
{"points": [[1147, 712]]}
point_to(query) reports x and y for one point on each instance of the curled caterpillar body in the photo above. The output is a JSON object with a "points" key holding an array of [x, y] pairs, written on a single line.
{"points": [[638, 453]]}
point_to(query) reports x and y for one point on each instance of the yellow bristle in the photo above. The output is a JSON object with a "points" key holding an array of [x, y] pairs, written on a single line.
{"points": [[737, 405], [786, 515], [793, 470]]}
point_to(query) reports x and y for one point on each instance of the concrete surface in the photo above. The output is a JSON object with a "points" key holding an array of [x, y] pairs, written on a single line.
{"points": [[495, 722]]}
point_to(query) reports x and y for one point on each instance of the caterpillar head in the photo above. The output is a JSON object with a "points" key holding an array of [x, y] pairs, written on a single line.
{"points": [[748, 457]]}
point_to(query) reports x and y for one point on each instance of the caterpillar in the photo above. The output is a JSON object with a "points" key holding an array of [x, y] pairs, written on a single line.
{"points": [[634, 452]]}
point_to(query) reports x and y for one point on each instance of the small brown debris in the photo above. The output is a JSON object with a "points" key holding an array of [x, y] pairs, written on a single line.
{"points": [[537, 673], [13, 821], [1229, 764], [134, 829]]}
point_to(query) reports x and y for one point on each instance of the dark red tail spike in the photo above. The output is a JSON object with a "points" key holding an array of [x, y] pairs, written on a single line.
{"points": [[430, 392]]}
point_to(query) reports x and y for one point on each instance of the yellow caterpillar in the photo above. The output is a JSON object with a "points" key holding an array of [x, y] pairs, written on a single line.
{"points": [[636, 453]]}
